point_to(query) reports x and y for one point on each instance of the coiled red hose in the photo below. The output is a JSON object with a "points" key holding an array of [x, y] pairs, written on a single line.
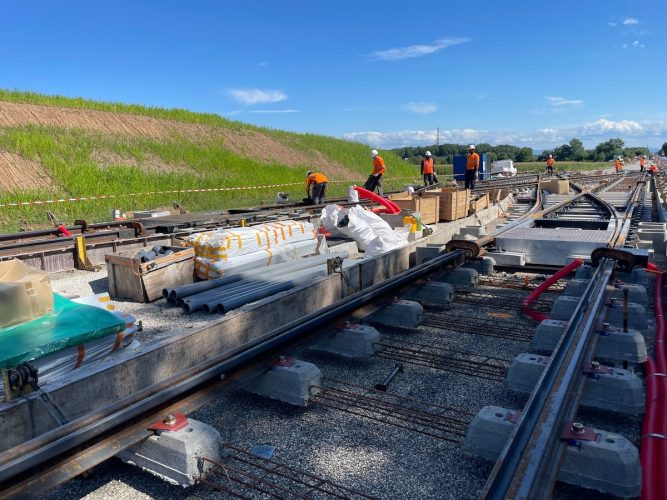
{"points": [[535, 294]]}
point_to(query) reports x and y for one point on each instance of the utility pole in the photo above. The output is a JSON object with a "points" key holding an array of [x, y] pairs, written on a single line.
{"points": [[437, 136]]}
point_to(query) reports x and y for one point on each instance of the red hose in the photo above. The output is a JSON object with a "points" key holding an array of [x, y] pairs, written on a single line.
{"points": [[653, 451], [63, 230], [535, 294], [390, 207]]}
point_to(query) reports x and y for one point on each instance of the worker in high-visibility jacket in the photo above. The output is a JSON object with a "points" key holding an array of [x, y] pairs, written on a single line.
{"points": [[375, 179], [428, 170], [618, 165], [653, 169], [642, 161], [472, 165], [318, 182], [550, 165]]}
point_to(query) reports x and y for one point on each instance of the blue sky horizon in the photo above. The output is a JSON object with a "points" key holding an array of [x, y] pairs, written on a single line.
{"points": [[383, 73]]}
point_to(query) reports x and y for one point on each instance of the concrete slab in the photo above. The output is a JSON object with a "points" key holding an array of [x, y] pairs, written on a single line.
{"points": [[610, 389], [288, 380], [398, 314], [564, 307], [609, 463], [613, 313], [514, 259], [428, 252], [476, 231], [176, 456], [353, 341], [431, 294], [462, 277]]}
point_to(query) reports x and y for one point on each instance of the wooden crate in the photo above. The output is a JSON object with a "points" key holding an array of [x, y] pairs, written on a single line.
{"points": [[427, 206], [479, 204], [403, 195], [453, 203], [130, 279]]}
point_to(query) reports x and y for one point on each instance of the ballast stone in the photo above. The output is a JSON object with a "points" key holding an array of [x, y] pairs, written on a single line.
{"points": [[431, 294], [352, 341], [610, 389], [177, 456], [613, 343], [290, 383], [610, 464], [398, 314]]}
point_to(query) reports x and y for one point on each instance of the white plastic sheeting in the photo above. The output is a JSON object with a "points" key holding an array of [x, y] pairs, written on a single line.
{"points": [[372, 234]]}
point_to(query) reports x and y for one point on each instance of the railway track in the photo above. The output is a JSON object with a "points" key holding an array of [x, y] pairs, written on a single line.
{"points": [[455, 360]]}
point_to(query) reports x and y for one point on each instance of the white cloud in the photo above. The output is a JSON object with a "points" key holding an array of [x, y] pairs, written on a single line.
{"points": [[416, 50], [612, 24], [630, 20], [562, 101], [266, 111], [625, 45], [257, 96], [592, 133], [637, 44], [422, 108], [262, 64]]}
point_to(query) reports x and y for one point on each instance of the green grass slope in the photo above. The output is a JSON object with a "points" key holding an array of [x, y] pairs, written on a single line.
{"points": [[84, 162]]}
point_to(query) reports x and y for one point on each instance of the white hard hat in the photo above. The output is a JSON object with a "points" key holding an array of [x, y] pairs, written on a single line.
{"points": [[619, 157], [643, 156], [428, 153], [472, 146], [551, 156], [308, 173], [374, 153]]}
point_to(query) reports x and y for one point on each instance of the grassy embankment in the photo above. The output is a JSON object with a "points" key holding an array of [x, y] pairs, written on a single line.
{"points": [[71, 158]]}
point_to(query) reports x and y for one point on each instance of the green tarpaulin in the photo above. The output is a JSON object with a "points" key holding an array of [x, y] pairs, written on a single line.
{"points": [[69, 324]]}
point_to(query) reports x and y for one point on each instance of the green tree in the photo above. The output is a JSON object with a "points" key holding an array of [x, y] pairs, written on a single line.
{"points": [[607, 150], [578, 153], [664, 148], [524, 154]]}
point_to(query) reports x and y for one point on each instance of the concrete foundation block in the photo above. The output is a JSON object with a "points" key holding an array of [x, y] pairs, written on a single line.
{"points": [[290, 381], [637, 319], [483, 265], [398, 314], [476, 231], [431, 294], [584, 272], [429, 252], [462, 277], [514, 259], [465, 237], [547, 334], [609, 389], [613, 343], [656, 236], [636, 293], [353, 341], [176, 456], [616, 345], [564, 307], [609, 463], [638, 276], [576, 287]]}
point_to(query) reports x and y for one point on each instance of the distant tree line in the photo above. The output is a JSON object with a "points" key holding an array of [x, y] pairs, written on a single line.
{"points": [[572, 151]]}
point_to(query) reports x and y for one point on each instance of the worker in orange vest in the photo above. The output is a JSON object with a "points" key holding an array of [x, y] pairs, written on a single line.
{"points": [[642, 160], [375, 179], [472, 165], [428, 171], [653, 169], [319, 186], [619, 165], [550, 165]]}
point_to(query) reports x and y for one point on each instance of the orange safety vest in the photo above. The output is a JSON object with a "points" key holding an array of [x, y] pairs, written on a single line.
{"points": [[550, 162], [472, 162], [378, 165], [641, 162], [427, 166], [315, 178], [618, 165]]}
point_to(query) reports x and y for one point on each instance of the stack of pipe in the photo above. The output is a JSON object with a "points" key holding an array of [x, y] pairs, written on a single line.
{"points": [[235, 290]]}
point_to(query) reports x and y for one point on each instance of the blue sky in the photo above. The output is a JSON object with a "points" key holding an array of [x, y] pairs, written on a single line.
{"points": [[382, 72]]}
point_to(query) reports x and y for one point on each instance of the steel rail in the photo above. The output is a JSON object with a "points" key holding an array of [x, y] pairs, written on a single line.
{"points": [[79, 431], [529, 463]]}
